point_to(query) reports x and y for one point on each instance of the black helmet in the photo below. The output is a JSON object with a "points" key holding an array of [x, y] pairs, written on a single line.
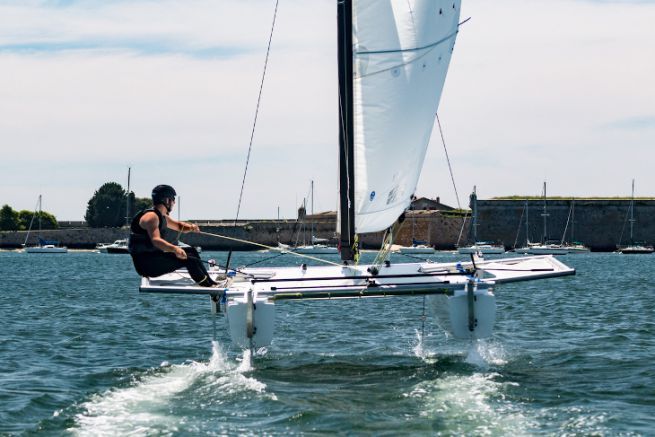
{"points": [[162, 192]]}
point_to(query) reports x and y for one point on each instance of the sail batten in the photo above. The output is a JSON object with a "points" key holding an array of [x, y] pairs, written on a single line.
{"points": [[401, 52]]}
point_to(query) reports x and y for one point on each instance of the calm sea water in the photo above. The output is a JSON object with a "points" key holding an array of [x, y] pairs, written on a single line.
{"points": [[82, 352]]}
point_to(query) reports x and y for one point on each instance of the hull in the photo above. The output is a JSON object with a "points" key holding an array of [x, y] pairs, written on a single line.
{"points": [[316, 250], [542, 250], [577, 249], [46, 250], [637, 250], [461, 297], [116, 250], [485, 250], [417, 250]]}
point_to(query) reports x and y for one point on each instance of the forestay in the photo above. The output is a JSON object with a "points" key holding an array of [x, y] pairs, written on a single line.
{"points": [[401, 53]]}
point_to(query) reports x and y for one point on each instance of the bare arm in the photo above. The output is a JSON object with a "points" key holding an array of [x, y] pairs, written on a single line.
{"points": [[183, 227], [150, 222]]}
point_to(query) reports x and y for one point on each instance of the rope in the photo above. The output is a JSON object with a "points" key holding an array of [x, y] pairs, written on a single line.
{"points": [[450, 168], [239, 240], [518, 231], [254, 124]]}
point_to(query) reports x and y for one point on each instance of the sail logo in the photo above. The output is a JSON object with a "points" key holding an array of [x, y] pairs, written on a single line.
{"points": [[392, 195], [372, 196]]}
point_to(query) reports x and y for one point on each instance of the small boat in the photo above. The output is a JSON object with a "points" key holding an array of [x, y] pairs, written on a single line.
{"points": [[543, 249], [416, 249], [316, 249], [634, 248], [546, 247], [117, 247], [44, 246], [481, 247]]}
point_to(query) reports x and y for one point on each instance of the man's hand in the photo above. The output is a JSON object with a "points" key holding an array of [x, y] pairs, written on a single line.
{"points": [[180, 253], [193, 227]]}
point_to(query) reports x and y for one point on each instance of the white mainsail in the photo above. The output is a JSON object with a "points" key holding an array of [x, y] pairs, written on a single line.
{"points": [[401, 52]]}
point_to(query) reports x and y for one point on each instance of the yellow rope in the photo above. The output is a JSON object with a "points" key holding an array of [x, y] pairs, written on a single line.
{"points": [[225, 237]]}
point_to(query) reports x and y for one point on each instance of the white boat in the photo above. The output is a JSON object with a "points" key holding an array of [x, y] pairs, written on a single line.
{"points": [[481, 247], [117, 247], [316, 249], [46, 248], [571, 245], [545, 247], [416, 249], [634, 248], [43, 246], [391, 74]]}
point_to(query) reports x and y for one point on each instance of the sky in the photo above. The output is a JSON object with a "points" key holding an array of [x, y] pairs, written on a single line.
{"points": [[561, 91]]}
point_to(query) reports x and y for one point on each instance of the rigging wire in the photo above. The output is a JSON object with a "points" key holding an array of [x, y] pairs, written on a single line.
{"points": [[254, 124], [452, 178]]}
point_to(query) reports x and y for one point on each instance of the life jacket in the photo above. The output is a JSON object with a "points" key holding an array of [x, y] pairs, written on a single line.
{"points": [[139, 241]]}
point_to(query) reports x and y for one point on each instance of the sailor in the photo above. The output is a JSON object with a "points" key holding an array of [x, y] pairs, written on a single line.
{"points": [[152, 255]]}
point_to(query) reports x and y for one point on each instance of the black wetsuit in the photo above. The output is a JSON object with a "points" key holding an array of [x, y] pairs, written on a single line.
{"points": [[151, 262]]}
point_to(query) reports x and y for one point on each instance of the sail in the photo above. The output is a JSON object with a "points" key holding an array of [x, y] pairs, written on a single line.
{"points": [[401, 52]]}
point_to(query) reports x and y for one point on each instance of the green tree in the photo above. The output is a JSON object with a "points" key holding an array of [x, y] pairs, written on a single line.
{"points": [[141, 203], [48, 221], [107, 207], [9, 219]]}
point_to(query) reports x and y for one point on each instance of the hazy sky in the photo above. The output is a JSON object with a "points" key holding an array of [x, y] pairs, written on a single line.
{"points": [[556, 90]]}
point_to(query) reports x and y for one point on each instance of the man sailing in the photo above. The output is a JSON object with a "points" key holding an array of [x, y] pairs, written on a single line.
{"points": [[151, 254]]}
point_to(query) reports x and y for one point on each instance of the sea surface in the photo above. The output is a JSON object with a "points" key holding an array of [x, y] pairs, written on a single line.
{"points": [[83, 353]]}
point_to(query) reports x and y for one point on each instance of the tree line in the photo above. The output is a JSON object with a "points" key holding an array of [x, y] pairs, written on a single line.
{"points": [[110, 206]]}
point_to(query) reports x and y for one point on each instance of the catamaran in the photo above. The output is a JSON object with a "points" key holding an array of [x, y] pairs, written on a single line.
{"points": [[393, 58]]}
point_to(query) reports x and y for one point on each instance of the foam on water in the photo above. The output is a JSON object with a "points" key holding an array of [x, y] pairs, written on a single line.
{"points": [[144, 407], [471, 405]]}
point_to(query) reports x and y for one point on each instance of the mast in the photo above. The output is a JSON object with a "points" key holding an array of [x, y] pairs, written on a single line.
{"points": [[127, 198], [474, 205], [311, 224], [632, 212], [545, 215], [527, 228], [346, 131]]}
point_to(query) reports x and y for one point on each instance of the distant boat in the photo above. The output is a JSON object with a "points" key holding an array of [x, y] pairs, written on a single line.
{"points": [[117, 247], [417, 248], [318, 246], [545, 247], [634, 248], [572, 246], [44, 246], [482, 247]]}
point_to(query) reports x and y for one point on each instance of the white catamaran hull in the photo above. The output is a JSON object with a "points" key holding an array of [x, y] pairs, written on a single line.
{"points": [[462, 294]]}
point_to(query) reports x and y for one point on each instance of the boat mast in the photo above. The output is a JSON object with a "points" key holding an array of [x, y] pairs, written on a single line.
{"points": [[632, 212], [545, 215], [346, 131], [527, 227], [127, 199], [474, 205]]}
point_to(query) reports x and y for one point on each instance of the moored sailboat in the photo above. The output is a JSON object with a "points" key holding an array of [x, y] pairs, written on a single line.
{"points": [[43, 246], [480, 247], [634, 248]]}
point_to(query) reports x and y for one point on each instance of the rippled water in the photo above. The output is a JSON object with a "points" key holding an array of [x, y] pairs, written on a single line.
{"points": [[81, 351]]}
